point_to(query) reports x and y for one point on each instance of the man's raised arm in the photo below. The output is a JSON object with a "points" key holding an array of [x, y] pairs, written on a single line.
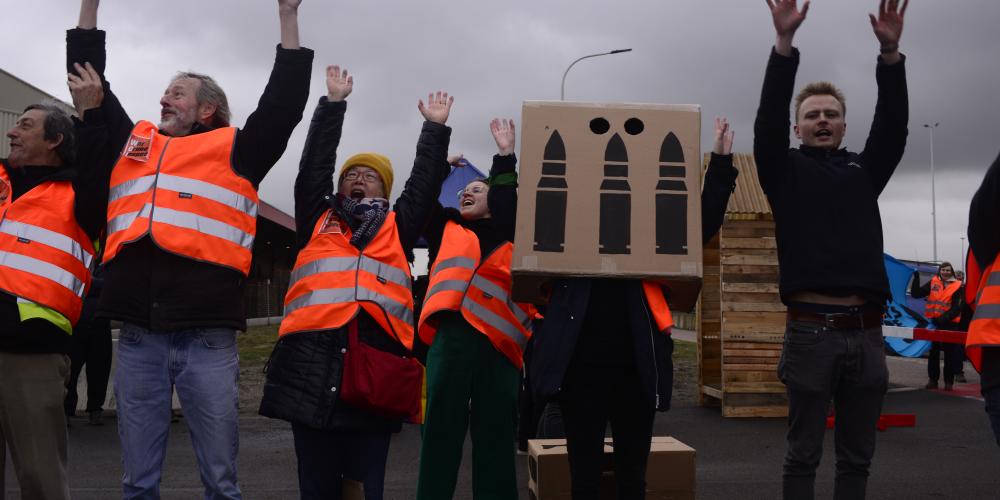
{"points": [[288, 16], [88, 14], [770, 142]]}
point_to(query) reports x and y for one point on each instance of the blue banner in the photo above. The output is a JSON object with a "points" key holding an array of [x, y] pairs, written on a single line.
{"points": [[900, 311]]}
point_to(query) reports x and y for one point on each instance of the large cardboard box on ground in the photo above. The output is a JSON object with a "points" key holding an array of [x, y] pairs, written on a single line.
{"points": [[609, 190], [670, 470]]}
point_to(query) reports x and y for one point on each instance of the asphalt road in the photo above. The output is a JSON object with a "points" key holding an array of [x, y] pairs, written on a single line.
{"points": [[950, 454]]}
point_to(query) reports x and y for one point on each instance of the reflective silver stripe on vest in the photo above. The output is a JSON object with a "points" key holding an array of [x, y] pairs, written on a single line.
{"points": [[204, 225], [327, 265], [47, 237], [124, 221], [339, 264], [133, 186], [447, 286], [495, 321], [494, 290], [987, 311], [463, 262], [329, 296], [208, 190], [43, 269]]}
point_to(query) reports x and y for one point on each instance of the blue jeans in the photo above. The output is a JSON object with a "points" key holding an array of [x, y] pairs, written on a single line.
{"points": [[203, 364]]}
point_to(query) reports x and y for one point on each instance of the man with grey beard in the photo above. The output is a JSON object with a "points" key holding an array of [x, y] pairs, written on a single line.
{"points": [[181, 219]]}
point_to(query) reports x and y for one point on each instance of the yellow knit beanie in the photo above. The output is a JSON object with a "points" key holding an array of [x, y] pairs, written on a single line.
{"points": [[379, 163]]}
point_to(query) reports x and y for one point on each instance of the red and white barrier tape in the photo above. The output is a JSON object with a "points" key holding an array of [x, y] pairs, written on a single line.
{"points": [[903, 332]]}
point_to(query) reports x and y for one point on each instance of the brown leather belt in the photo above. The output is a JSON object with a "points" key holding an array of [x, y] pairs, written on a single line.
{"points": [[865, 318]]}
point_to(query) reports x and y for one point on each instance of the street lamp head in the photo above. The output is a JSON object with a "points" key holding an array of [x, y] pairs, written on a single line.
{"points": [[619, 51]]}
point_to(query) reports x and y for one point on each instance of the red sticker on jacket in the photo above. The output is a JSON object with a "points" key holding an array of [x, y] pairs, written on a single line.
{"points": [[137, 147], [331, 225]]}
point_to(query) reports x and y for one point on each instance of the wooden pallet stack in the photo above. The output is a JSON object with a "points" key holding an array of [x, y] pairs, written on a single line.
{"points": [[741, 317]]}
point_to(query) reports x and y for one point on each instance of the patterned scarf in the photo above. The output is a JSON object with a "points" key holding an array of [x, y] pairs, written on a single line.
{"points": [[364, 216]]}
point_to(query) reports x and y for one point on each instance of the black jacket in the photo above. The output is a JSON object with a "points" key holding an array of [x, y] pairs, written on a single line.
{"points": [[825, 203], [145, 284], [557, 343], [39, 335], [306, 368]]}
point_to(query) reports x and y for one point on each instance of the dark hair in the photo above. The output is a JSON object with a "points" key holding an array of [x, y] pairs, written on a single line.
{"points": [[57, 123]]}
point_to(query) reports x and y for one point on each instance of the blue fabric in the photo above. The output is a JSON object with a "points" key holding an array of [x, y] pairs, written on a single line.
{"points": [[899, 313], [202, 364], [456, 181]]}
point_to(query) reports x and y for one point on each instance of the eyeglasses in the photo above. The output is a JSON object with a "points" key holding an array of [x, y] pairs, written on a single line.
{"points": [[477, 189], [367, 176]]}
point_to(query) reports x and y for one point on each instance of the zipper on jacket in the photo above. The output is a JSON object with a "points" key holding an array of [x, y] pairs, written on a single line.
{"points": [[652, 345], [156, 182]]}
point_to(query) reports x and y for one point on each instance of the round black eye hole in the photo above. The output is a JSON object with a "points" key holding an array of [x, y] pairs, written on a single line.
{"points": [[634, 126], [599, 126]]}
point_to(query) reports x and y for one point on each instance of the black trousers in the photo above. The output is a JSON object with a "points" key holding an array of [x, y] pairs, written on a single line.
{"points": [[954, 355], [326, 458], [848, 366], [90, 345], [593, 396]]}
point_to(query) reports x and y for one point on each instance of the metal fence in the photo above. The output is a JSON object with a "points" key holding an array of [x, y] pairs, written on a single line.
{"points": [[264, 299]]}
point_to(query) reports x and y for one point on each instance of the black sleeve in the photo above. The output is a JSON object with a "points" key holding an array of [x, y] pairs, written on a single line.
{"points": [[502, 197], [98, 149], [264, 137], [984, 237], [771, 128], [887, 138], [91, 204], [430, 167], [720, 182], [955, 309], [314, 182], [434, 231]]}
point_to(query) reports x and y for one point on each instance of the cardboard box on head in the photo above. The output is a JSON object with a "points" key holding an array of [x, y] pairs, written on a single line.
{"points": [[609, 191]]}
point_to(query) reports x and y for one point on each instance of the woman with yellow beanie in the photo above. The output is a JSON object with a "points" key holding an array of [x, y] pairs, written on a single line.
{"points": [[349, 294]]}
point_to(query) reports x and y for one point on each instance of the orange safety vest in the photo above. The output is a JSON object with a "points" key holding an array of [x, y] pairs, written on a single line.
{"points": [[45, 255], [984, 330], [332, 279], [658, 306], [184, 193], [461, 280], [939, 300]]}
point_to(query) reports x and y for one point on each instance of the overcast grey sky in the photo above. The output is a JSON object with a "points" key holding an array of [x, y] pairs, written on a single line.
{"points": [[493, 55]]}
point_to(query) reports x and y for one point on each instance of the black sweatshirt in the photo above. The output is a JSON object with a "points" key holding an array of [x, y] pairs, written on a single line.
{"points": [[146, 285], [825, 203], [984, 243], [39, 335]]}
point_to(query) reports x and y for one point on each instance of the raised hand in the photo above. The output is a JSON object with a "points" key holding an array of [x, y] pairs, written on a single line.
{"points": [[438, 107], [288, 19], [289, 4], [723, 137], [338, 84], [88, 14], [888, 26], [503, 134], [86, 88], [787, 18], [456, 160]]}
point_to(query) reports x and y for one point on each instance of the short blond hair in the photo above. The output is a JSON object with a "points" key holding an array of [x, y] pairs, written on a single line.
{"points": [[819, 88]]}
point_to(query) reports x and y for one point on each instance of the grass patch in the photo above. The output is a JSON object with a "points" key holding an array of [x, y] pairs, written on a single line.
{"points": [[685, 350], [255, 345]]}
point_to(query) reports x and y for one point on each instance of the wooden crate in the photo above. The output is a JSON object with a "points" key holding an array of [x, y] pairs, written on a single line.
{"points": [[742, 321]]}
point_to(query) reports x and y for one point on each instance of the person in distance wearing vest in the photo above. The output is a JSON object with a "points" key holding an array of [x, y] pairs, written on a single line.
{"points": [[181, 200], [476, 335], [603, 353], [941, 291], [829, 237], [982, 291], [49, 219], [349, 241]]}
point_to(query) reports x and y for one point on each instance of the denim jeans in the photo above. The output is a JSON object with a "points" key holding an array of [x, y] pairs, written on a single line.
{"points": [[848, 366], [327, 457], [203, 364]]}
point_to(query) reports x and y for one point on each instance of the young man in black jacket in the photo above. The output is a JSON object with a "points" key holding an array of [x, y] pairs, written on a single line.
{"points": [[181, 224], [829, 235]]}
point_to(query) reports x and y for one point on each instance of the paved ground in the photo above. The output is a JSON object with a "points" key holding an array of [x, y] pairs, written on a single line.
{"points": [[949, 455]]}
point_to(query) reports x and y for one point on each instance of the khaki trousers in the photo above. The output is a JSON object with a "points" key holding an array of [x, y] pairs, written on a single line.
{"points": [[32, 422]]}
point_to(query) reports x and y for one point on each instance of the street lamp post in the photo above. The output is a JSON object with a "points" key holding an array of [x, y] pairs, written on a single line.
{"points": [[962, 255], [933, 200], [562, 88]]}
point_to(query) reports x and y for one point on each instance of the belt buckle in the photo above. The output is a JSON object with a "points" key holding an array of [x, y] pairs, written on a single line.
{"points": [[830, 319]]}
